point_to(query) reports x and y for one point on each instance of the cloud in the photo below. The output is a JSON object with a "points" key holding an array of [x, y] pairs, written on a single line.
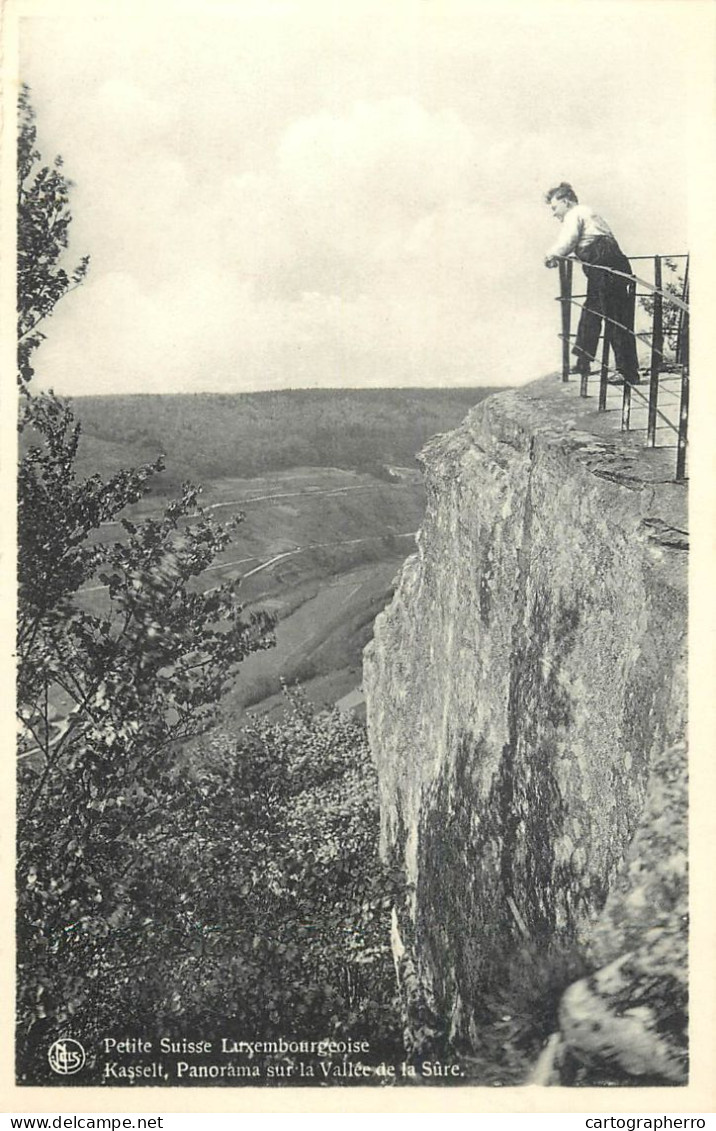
{"points": [[327, 251], [273, 196]]}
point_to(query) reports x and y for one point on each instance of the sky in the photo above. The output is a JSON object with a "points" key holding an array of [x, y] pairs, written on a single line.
{"points": [[290, 194]]}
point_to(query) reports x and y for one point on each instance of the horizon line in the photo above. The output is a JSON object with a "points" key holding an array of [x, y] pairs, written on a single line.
{"points": [[290, 389]]}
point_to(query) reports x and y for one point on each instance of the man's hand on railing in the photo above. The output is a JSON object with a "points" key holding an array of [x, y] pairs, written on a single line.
{"points": [[551, 261]]}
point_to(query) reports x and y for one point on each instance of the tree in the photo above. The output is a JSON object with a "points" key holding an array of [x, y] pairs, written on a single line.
{"points": [[274, 916], [169, 882], [671, 316], [44, 218], [122, 655]]}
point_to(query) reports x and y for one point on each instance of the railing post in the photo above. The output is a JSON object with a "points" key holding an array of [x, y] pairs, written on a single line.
{"points": [[657, 349], [683, 328], [683, 356], [684, 353], [605, 368], [683, 426], [626, 407], [565, 294]]}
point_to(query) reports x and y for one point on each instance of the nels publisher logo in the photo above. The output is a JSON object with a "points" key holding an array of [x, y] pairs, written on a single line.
{"points": [[66, 1057]]}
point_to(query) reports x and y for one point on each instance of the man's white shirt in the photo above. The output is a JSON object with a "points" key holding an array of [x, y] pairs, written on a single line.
{"points": [[580, 227]]}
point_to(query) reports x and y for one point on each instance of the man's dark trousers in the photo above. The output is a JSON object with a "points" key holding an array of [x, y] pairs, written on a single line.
{"points": [[612, 297]]}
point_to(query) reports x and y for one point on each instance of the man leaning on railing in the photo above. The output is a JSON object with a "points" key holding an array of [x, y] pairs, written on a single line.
{"points": [[609, 296]]}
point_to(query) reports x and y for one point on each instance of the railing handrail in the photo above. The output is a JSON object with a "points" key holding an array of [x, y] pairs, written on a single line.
{"points": [[623, 274], [655, 340], [643, 335]]}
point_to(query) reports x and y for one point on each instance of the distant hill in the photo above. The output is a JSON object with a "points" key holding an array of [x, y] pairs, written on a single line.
{"points": [[211, 436], [332, 496]]}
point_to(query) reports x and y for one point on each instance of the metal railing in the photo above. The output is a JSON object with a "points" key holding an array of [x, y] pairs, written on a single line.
{"points": [[660, 362]]}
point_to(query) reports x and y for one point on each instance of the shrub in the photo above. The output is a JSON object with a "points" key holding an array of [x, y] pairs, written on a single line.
{"points": [[281, 883]]}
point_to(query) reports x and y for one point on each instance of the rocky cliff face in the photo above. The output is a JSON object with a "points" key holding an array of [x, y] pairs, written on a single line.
{"points": [[526, 694]]}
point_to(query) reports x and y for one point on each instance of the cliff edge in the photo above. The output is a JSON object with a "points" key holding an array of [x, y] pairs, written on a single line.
{"points": [[526, 704]]}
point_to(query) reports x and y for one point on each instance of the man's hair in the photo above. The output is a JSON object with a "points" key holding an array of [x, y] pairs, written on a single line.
{"points": [[562, 191]]}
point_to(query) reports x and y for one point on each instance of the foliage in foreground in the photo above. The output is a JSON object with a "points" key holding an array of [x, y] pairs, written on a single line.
{"points": [[239, 893], [159, 893], [104, 698]]}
